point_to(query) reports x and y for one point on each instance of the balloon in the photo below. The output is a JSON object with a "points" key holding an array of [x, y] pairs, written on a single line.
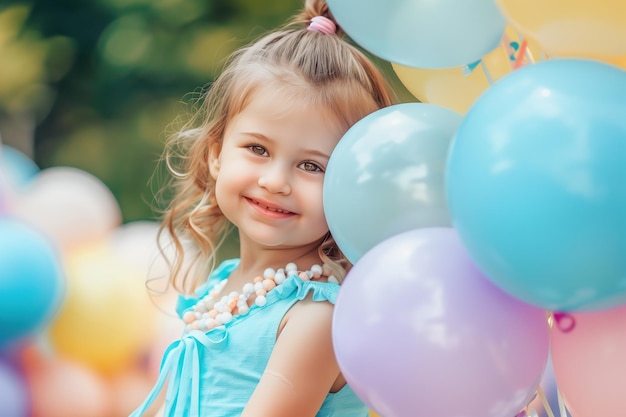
{"points": [[19, 170], [535, 184], [386, 175], [31, 280], [128, 389], [63, 388], [16, 172], [457, 88], [135, 243], [416, 324], [14, 397], [422, 33], [619, 62], [107, 320], [4, 195], [71, 206], [564, 27], [589, 363]]}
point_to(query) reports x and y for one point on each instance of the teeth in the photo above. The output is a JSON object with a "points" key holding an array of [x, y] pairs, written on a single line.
{"points": [[271, 209]]}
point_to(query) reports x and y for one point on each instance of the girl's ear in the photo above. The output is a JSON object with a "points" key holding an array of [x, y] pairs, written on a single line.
{"points": [[214, 159]]}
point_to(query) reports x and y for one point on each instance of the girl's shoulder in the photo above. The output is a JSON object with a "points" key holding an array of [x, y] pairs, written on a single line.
{"points": [[314, 303], [308, 310]]}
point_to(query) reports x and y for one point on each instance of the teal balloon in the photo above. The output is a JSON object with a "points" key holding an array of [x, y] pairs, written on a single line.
{"points": [[386, 176], [18, 169], [422, 33], [31, 281], [536, 184], [4, 195]]}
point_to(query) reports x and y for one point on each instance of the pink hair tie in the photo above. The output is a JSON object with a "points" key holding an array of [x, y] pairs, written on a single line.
{"points": [[322, 24]]}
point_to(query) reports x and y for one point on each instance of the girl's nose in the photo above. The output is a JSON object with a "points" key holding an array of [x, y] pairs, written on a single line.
{"points": [[275, 179]]}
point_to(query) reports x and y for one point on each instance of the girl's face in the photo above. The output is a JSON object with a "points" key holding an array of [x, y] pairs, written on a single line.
{"points": [[270, 169]]}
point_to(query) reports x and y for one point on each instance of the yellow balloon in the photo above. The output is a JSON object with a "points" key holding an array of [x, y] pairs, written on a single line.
{"points": [[447, 87], [107, 319], [620, 62], [373, 414], [571, 27], [457, 88]]}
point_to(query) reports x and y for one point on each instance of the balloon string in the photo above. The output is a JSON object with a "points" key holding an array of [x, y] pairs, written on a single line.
{"points": [[544, 401], [527, 412], [529, 56], [562, 408], [486, 71]]}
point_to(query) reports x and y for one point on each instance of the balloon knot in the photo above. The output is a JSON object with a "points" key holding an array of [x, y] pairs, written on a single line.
{"points": [[564, 321], [467, 69]]}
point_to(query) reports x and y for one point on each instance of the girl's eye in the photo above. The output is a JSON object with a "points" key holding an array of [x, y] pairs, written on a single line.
{"points": [[311, 167], [258, 150]]}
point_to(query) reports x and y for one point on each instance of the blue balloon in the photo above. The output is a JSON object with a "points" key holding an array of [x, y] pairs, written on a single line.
{"points": [[422, 33], [386, 175], [30, 280], [18, 168], [536, 184]]}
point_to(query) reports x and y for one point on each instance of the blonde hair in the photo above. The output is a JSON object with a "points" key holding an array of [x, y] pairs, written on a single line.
{"points": [[324, 69]]}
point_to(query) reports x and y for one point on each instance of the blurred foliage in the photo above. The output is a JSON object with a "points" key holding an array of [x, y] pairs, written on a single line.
{"points": [[103, 79]]}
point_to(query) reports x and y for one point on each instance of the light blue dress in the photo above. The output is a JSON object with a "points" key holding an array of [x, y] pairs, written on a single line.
{"points": [[213, 374]]}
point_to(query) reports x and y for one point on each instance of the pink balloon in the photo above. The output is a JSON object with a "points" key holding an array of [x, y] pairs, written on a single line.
{"points": [[590, 363], [63, 388], [418, 330], [128, 389]]}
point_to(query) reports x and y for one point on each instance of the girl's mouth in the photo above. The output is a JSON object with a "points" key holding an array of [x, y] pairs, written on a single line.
{"points": [[268, 208]]}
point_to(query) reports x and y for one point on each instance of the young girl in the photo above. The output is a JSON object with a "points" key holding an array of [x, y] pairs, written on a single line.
{"points": [[257, 341]]}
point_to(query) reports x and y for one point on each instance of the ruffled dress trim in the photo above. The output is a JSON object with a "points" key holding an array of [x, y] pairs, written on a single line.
{"points": [[181, 359]]}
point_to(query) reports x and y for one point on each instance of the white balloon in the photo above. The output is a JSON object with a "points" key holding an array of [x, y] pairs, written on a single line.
{"points": [[69, 205]]}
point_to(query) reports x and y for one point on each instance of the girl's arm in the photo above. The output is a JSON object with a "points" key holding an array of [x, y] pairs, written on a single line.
{"points": [[302, 368]]}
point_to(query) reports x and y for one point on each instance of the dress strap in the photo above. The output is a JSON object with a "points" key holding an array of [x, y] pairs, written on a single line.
{"points": [[218, 275], [322, 291], [180, 368]]}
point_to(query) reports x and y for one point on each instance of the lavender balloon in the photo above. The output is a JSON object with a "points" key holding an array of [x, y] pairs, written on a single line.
{"points": [[418, 330], [14, 400]]}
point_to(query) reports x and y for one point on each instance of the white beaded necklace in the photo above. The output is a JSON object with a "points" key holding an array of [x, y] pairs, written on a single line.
{"points": [[209, 312]]}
